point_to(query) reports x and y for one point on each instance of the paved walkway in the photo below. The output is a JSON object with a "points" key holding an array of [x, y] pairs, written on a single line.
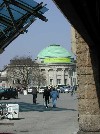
{"points": [[36, 119]]}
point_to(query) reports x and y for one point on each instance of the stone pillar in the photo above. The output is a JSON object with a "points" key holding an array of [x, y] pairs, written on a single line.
{"points": [[69, 76], [89, 88], [63, 77], [54, 77], [47, 76]]}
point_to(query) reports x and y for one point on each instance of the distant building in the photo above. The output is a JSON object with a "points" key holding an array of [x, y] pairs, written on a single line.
{"points": [[56, 63], [3, 78]]}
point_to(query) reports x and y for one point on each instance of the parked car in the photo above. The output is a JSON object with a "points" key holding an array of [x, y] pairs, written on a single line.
{"points": [[41, 89], [63, 89], [8, 93], [29, 90], [71, 89], [66, 89], [60, 88]]}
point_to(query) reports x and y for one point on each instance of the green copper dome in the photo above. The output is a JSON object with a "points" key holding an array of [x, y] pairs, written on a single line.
{"points": [[54, 54], [54, 51]]}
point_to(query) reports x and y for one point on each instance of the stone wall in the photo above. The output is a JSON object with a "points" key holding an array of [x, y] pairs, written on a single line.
{"points": [[88, 95]]}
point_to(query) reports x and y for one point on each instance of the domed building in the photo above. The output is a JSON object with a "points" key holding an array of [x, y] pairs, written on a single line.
{"points": [[58, 65], [54, 62]]}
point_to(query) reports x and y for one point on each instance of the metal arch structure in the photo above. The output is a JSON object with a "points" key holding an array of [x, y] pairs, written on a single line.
{"points": [[16, 16]]}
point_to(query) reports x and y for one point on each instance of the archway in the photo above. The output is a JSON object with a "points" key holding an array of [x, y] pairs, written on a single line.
{"points": [[84, 18]]}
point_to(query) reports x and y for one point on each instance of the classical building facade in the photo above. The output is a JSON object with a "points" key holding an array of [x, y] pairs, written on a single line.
{"points": [[58, 65], [59, 74], [55, 62]]}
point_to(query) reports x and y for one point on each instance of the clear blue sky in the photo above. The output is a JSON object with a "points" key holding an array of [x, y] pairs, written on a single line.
{"points": [[57, 30]]}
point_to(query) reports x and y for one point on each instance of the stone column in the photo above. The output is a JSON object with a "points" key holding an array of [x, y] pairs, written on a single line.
{"points": [[54, 77], [69, 77], [89, 88], [63, 76], [47, 76]]}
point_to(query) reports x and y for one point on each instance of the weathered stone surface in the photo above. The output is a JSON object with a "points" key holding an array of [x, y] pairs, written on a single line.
{"points": [[84, 70], [84, 60], [89, 123], [86, 79], [89, 89], [88, 107], [83, 50], [81, 43], [85, 92], [81, 132]]}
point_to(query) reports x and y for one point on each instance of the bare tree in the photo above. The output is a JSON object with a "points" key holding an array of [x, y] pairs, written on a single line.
{"points": [[23, 71], [38, 77]]}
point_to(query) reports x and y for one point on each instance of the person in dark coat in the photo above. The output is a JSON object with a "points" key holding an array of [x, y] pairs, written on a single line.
{"points": [[34, 93], [46, 95]]}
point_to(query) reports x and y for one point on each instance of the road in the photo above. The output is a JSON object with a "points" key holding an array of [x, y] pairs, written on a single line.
{"points": [[36, 119]]}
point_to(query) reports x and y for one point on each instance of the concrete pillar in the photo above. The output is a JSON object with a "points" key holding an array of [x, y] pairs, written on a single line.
{"points": [[89, 88]]}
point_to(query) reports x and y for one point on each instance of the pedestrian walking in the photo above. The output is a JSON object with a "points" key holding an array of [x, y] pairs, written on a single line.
{"points": [[72, 90], [46, 96], [34, 93], [54, 95]]}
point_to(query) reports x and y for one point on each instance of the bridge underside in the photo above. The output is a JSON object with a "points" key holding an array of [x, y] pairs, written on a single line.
{"points": [[84, 17]]}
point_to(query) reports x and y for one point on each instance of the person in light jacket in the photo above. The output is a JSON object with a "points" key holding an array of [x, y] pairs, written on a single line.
{"points": [[54, 95]]}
